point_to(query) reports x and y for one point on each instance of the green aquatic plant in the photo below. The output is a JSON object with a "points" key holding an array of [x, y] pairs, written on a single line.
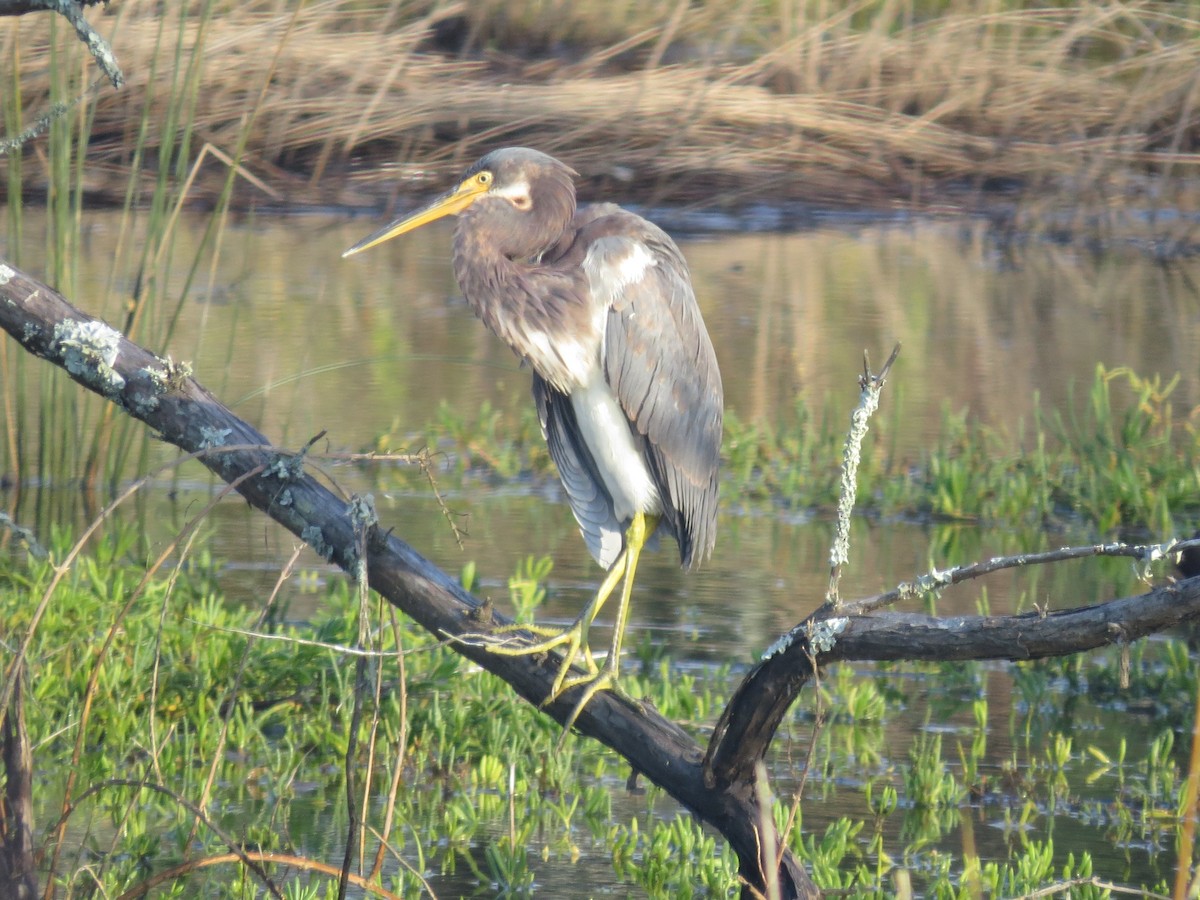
{"points": [[1136, 463], [526, 588], [195, 684], [1128, 461], [835, 857], [673, 859], [927, 781], [851, 698]]}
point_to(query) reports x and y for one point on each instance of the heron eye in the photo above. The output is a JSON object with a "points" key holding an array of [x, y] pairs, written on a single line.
{"points": [[484, 178]]}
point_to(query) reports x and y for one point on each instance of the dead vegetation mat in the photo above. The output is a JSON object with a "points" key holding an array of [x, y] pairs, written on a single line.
{"points": [[349, 103]]}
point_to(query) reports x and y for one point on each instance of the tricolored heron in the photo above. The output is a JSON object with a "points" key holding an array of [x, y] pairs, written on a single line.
{"points": [[599, 303]]}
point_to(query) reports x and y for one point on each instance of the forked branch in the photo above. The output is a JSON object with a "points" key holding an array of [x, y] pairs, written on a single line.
{"points": [[749, 722], [840, 630], [720, 787]]}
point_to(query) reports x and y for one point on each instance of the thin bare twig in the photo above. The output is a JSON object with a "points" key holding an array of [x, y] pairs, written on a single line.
{"points": [[303, 863], [769, 859], [232, 843], [401, 748], [364, 520], [819, 718], [343, 649], [1184, 871], [938, 579], [384, 844], [427, 468], [1062, 887]]}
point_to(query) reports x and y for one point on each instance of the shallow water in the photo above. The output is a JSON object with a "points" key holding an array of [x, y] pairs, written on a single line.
{"points": [[300, 342]]}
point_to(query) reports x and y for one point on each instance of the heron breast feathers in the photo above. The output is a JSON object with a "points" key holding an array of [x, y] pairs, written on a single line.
{"points": [[605, 432], [564, 362]]}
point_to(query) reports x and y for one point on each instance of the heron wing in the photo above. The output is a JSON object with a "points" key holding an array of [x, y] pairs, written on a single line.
{"points": [[589, 501], [660, 363]]}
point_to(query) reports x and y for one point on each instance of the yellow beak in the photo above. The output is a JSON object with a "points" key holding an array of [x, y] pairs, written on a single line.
{"points": [[450, 204]]}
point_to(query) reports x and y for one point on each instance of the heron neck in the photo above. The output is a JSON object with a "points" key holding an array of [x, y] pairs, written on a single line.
{"points": [[539, 309]]}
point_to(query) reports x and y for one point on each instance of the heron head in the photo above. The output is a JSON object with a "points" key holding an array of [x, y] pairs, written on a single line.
{"points": [[530, 198]]}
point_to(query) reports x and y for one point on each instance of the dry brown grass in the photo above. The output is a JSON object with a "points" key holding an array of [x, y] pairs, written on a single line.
{"points": [[726, 102]]}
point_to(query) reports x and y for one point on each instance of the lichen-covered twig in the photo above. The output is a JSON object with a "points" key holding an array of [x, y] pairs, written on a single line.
{"points": [[24, 535], [871, 386], [72, 11]]}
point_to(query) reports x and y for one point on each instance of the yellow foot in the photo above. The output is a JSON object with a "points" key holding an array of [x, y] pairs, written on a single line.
{"points": [[574, 640], [603, 680], [507, 642]]}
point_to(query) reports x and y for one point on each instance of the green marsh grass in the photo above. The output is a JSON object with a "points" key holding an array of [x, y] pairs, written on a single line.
{"points": [[69, 436], [260, 732], [257, 730], [1125, 462]]}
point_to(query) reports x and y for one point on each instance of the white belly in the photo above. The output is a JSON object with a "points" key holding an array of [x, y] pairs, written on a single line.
{"points": [[605, 430]]}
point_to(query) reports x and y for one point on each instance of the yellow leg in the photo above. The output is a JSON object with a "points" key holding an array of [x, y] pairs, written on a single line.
{"points": [[635, 538], [575, 637]]}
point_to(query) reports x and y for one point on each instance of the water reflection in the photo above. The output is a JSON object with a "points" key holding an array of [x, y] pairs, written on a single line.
{"points": [[308, 341], [300, 342]]}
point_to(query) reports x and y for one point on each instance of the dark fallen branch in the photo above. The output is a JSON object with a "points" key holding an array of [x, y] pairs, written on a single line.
{"points": [[719, 787], [749, 722], [21, 7], [72, 10], [165, 397]]}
